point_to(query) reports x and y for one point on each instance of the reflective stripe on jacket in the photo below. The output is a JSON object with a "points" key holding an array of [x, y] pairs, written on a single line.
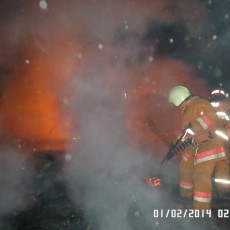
{"points": [[204, 121], [202, 116], [185, 156], [209, 155]]}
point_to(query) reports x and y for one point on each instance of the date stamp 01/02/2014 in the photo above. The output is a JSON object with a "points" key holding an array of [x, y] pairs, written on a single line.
{"points": [[190, 213]]}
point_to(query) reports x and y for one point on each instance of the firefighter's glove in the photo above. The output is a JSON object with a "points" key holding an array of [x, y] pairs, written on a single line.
{"points": [[188, 131]]}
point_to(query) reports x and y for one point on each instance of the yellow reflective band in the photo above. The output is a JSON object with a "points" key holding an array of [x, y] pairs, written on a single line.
{"points": [[209, 157], [186, 186], [184, 158], [221, 134], [222, 181], [202, 199], [215, 104], [202, 123], [222, 115]]}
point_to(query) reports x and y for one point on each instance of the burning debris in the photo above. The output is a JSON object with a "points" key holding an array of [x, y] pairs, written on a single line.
{"points": [[153, 181]]}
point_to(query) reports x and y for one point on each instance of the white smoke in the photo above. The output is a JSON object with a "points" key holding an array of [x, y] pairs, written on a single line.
{"points": [[15, 181]]}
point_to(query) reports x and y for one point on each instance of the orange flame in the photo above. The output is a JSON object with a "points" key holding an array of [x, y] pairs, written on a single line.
{"points": [[153, 181], [33, 103]]}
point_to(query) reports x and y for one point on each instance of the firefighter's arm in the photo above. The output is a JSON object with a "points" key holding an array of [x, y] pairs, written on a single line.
{"points": [[203, 126]]}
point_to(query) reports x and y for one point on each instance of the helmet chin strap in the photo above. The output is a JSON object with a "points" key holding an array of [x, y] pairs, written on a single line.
{"points": [[184, 103]]}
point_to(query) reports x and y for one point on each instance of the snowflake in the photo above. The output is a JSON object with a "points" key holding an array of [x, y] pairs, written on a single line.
{"points": [[100, 46], [43, 4]]}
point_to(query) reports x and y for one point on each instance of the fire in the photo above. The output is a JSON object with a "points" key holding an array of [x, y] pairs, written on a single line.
{"points": [[153, 181], [34, 100], [150, 119]]}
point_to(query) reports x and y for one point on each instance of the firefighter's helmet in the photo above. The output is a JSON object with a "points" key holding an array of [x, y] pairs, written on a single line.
{"points": [[217, 95], [178, 94]]}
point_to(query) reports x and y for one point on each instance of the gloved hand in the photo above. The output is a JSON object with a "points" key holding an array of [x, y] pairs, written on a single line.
{"points": [[188, 132]]}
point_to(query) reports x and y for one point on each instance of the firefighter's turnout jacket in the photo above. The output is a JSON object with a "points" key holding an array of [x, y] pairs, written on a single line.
{"points": [[208, 154], [222, 109]]}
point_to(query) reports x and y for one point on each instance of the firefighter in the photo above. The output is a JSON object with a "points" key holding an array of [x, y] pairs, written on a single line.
{"points": [[208, 152], [221, 103]]}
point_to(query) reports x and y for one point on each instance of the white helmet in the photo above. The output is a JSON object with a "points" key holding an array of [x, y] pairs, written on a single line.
{"points": [[178, 94]]}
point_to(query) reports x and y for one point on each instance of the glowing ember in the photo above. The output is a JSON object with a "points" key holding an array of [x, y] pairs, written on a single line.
{"points": [[153, 181]]}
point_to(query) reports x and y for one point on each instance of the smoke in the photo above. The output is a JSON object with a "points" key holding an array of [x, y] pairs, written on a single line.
{"points": [[104, 170], [105, 174], [15, 180], [91, 63]]}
